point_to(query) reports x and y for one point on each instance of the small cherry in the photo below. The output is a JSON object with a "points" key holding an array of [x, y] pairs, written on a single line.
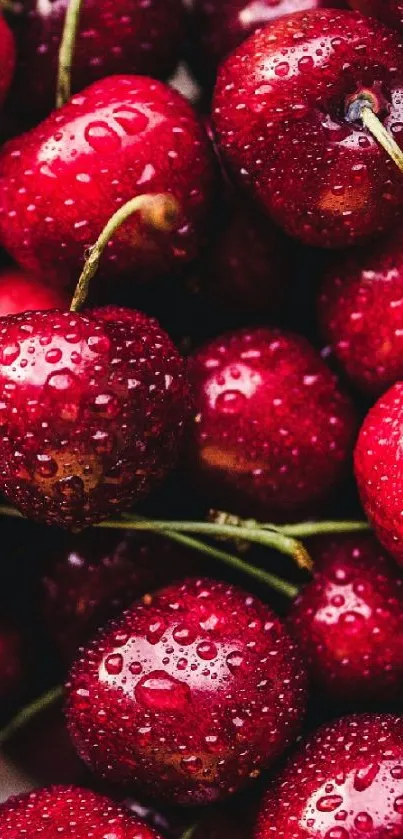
{"points": [[291, 106], [7, 58], [19, 292], [188, 695], [120, 138], [388, 11], [361, 314], [114, 36], [349, 622], [272, 433], [12, 662], [344, 782], [68, 811]]}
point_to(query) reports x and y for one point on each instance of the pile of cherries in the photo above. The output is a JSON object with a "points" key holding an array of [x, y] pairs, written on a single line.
{"points": [[201, 318]]}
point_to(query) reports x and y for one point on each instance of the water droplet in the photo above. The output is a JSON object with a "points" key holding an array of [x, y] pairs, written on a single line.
{"points": [[136, 668], [53, 356], [155, 631], [46, 466], [131, 120], [329, 803], [191, 764], [102, 137], [230, 402], [9, 353], [234, 661], [106, 405], [161, 692], [363, 822], [398, 805], [397, 772], [114, 664], [183, 635], [365, 776], [282, 69], [207, 650], [62, 380]]}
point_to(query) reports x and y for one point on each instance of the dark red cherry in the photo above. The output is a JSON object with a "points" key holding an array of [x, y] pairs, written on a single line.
{"points": [[12, 661], [7, 58], [389, 11], [20, 292]]}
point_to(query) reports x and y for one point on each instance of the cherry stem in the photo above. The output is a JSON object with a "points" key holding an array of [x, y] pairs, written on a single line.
{"points": [[190, 832], [66, 52], [30, 712], [378, 130], [159, 211], [304, 530]]}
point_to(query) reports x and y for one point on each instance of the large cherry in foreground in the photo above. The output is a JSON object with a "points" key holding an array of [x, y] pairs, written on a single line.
{"points": [[91, 412], [61, 182], [285, 109], [188, 695]]}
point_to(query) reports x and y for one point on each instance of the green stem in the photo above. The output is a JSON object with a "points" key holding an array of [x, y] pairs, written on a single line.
{"points": [[158, 211], [29, 712], [382, 136], [66, 52], [319, 528], [190, 832]]}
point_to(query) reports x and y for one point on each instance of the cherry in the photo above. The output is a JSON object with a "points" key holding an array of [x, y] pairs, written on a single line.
{"points": [[68, 810], [197, 652], [91, 577], [360, 311], [12, 660], [286, 110], [7, 58], [121, 137], [20, 292], [91, 413], [378, 472], [345, 781], [389, 11], [349, 622], [115, 36], [256, 447], [217, 27]]}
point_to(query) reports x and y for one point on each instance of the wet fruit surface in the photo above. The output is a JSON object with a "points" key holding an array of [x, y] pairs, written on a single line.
{"points": [[188, 695], [61, 182], [281, 110], [346, 781], [349, 623], [254, 448], [91, 410], [7, 58], [68, 811]]}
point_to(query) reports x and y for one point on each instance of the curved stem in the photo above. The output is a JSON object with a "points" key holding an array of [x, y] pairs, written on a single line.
{"points": [[158, 211], [319, 528], [190, 832], [66, 52], [30, 712], [382, 136]]}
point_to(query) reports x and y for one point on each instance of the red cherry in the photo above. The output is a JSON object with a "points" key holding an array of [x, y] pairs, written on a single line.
{"points": [[282, 111], [349, 622], [61, 182], [91, 412], [54, 811], [360, 311], [346, 781], [272, 433], [20, 292], [389, 11], [115, 36], [378, 470], [198, 651], [7, 58], [12, 662]]}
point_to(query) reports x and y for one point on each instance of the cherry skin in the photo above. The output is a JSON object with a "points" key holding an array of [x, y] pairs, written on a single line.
{"points": [[361, 314], [7, 58], [349, 622], [389, 11], [115, 36], [91, 412], [378, 470], [217, 27], [121, 137], [12, 661], [198, 650], [255, 447], [283, 115], [68, 810], [352, 771], [20, 292]]}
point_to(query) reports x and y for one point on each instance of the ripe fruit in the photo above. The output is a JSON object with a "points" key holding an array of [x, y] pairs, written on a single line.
{"points": [[70, 811], [189, 694], [115, 36], [345, 781], [61, 182], [91, 412], [272, 433], [378, 469], [7, 58], [91, 577], [389, 11], [11, 662], [283, 111], [21, 293], [349, 622]]}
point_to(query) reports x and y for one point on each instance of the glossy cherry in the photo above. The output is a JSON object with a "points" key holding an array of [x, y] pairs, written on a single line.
{"points": [[7, 58], [115, 36], [91, 412], [283, 112], [20, 292], [389, 11], [197, 651], [70, 811], [361, 314], [345, 781], [272, 433], [349, 623], [61, 182]]}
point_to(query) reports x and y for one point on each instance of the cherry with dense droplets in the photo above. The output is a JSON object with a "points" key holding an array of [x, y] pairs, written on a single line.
{"points": [[61, 182], [255, 447], [136, 726], [349, 623], [7, 58], [282, 112], [344, 782], [69, 811], [91, 412]]}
